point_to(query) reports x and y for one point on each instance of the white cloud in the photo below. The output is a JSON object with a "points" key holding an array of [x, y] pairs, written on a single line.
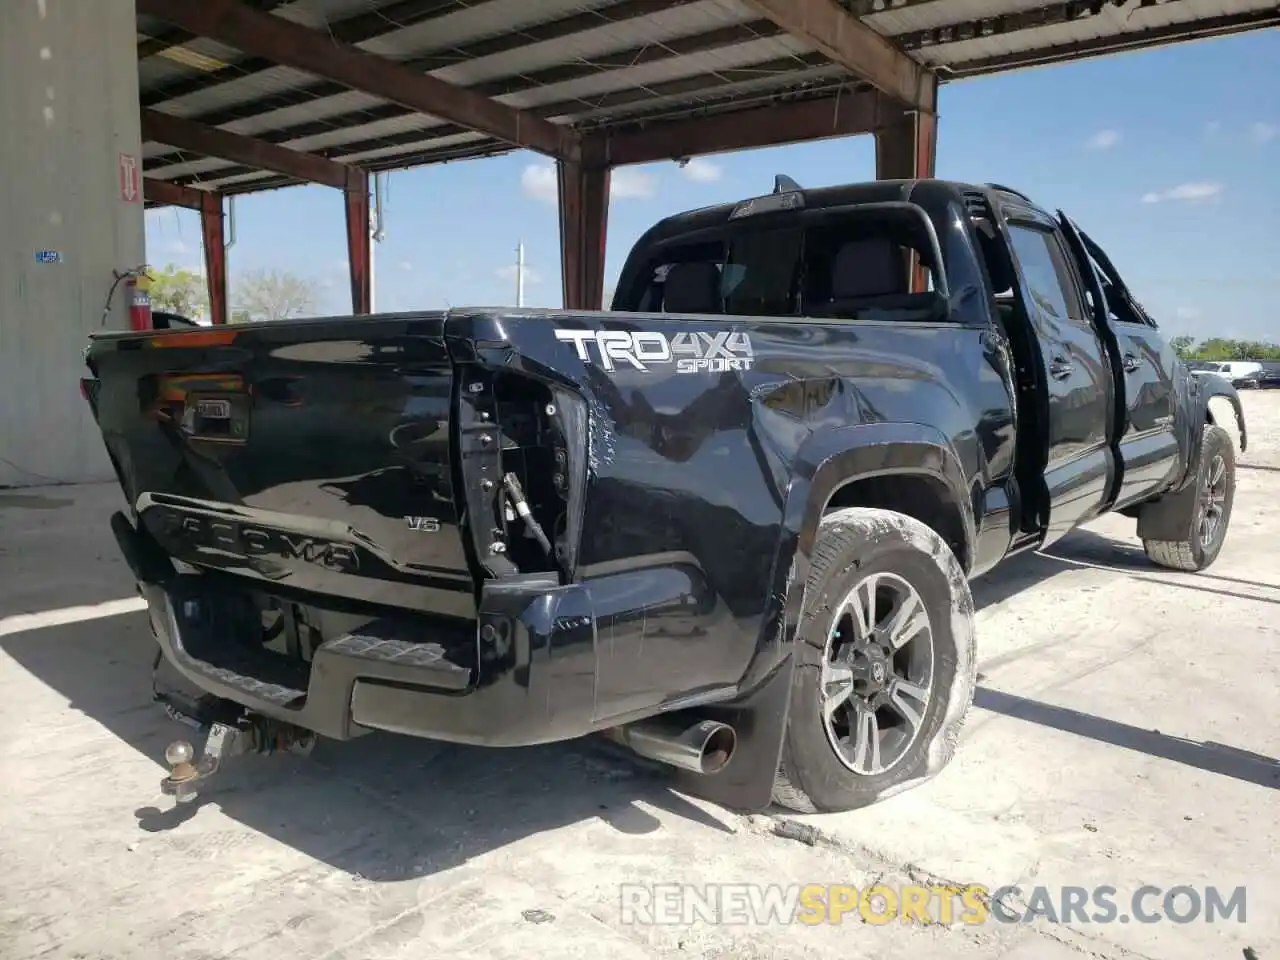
{"points": [[508, 273], [1104, 140], [1261, 132], [1187, 313], [627, 183], [1186, 193], [538, 181], [701, 171], [405, 265]]}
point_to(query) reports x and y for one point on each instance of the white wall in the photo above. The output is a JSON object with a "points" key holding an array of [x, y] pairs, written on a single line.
{"points": [[68, 109]]}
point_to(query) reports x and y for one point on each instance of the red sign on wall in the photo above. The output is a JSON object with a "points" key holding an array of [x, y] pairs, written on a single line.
{"points": [[130, 179]]}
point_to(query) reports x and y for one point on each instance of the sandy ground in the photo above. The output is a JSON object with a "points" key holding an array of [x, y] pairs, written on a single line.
{"points": [[1125, 734]]}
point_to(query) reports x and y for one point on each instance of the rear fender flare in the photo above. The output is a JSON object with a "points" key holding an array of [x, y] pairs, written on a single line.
{"points": [[824, 463], [1212, 385]]}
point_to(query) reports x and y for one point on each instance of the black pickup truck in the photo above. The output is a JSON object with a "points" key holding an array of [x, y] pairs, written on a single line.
{"points": [[730, 522]]}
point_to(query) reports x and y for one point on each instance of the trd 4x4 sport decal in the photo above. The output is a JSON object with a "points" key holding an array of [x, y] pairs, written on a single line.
{"points": [[693, 352]]}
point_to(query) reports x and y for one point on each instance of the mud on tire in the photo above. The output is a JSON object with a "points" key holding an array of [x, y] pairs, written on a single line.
{"points": [[1211, 499], [883, 554]]}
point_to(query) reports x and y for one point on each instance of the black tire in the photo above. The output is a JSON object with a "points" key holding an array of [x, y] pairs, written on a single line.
{"points": [[851, 545], [1192, 552]]}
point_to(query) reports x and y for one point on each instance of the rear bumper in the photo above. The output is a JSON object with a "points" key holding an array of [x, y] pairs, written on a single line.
{"points": [[541, 662], [536, 683]]}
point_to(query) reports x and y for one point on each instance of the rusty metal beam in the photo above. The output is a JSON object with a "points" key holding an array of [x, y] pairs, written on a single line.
{"points": [[212, 142], [359, 240], [164, 40], [374, 23], [1077, 50], [356, 28], [584, 221], [846, 40], [171, 194], [293, 45], [907, 148], [215, 255], [633, 56], [702, 86], [843, 114]]}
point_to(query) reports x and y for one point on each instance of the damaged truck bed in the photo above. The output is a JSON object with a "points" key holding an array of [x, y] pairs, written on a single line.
{"points": [[730, 522]]}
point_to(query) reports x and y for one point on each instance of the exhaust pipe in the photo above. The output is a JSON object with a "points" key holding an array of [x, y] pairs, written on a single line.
{"points": [[704, 747]]}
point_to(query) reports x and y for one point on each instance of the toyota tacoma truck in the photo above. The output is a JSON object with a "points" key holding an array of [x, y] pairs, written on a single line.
{"points": [[730, 522]]}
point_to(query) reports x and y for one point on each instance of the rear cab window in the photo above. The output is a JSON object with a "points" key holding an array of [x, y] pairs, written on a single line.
{"points": [[839, 264]]}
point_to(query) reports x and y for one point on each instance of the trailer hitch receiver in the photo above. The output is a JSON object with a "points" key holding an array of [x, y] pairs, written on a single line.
{"points": [[223, 742]]}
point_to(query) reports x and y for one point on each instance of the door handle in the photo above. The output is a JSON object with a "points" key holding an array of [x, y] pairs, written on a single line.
{"points": [[1060, 368], [1130, 363]]}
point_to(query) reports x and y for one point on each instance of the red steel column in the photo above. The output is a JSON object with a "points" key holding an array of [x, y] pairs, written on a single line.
{"points": [[584, 221], [907, 149], [358, 240], [215, 255]]}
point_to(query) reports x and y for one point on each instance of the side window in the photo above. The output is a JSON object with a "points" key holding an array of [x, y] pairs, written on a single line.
{"points": [[1048, 277]]}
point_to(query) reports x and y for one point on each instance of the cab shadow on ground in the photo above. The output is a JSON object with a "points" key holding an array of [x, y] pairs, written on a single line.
{"points": [[391, 808]]}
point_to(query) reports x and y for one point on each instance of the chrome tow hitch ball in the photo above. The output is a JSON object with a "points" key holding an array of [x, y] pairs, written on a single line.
{"points": [[183, 774]]}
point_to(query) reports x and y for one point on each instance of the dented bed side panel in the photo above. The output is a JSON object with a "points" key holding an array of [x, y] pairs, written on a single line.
{"points": [[713, 444]]}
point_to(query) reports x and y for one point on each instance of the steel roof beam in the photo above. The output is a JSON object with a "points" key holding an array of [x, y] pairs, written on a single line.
{"points": [[356, 28], [843, 114], [846, 40], [292, 45], [171, 194], [168, 39], [213, 142]]}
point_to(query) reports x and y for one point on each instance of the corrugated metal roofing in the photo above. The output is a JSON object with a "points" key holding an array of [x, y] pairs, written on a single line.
{"points": [[597, 62]]}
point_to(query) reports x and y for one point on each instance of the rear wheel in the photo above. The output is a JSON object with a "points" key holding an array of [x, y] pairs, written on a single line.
{"points": [[1207, 525], [885, 669]]}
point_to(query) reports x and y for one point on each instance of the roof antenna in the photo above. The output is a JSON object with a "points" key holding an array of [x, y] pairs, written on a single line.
{"points": [[784, 184]]}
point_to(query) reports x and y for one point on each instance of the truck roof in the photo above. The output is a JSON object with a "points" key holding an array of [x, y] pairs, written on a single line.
{"points": [[871, 191]]}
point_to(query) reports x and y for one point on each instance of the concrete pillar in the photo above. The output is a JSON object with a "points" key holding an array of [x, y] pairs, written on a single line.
{"points": [[71, 209]]}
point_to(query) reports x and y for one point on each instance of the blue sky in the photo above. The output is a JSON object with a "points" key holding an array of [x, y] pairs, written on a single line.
{"points": [[1170, 158]]}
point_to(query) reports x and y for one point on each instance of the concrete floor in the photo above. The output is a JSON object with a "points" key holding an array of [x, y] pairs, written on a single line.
{"points": [[1125, 733]]}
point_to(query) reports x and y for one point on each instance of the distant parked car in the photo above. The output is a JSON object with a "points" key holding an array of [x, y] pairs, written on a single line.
{"points": [[1270, 376], [1244, 374]]}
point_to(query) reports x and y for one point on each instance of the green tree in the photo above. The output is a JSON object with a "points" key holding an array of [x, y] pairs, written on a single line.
{"points": [[178, 291], [274, 295], [1222, 348]]}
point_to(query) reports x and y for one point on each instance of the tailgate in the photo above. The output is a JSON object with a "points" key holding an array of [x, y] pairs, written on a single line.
{"points": [[313, 455]]}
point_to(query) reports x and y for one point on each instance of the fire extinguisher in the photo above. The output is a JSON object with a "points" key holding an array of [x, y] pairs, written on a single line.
{"points": [[138, 289]]}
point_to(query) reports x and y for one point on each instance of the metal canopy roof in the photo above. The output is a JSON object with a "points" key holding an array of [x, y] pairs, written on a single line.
{"points": [[595, 64]]}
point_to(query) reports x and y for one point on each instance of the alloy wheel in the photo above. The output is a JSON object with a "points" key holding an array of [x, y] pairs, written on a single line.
{"points": [[1213, 501], [877, 673]]}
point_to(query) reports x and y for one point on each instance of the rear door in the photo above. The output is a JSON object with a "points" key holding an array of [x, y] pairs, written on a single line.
{"points": [[1078, 461], [1147, 444]]}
